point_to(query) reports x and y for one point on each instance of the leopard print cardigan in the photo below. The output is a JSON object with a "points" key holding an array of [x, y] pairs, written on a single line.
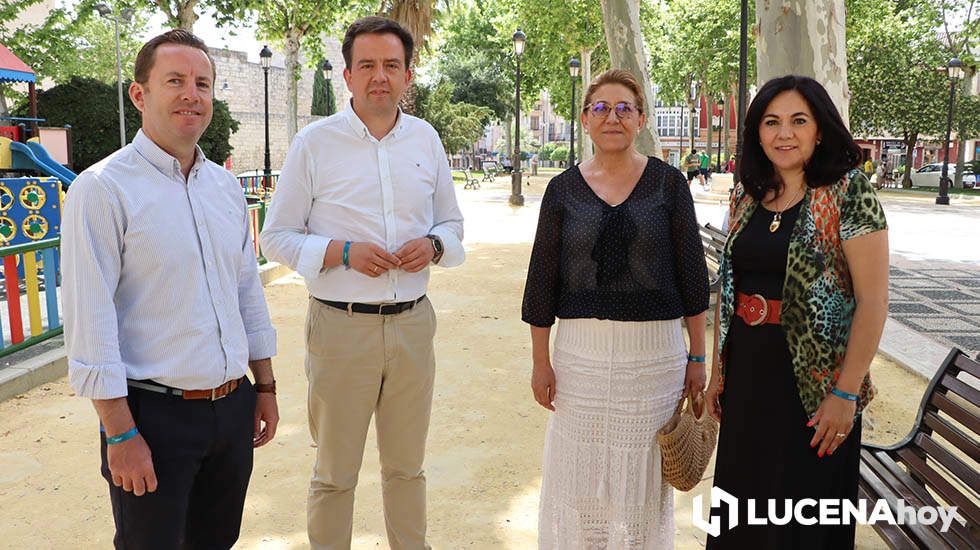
{"points": [[818, 297]]}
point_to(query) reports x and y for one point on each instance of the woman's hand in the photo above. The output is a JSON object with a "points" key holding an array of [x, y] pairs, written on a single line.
{"points": [[543, 384], [711, 397], [833, 420], [694, 378]]}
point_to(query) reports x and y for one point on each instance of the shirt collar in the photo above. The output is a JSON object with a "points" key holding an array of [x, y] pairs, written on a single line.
{"points": [[361, 130], [160, 159]]}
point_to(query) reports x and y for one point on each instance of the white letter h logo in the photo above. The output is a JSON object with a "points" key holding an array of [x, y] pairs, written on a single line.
{"points": [[713, 527]]}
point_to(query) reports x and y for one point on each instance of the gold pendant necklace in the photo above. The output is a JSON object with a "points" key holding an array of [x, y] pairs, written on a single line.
{"points": [[778, 216]]}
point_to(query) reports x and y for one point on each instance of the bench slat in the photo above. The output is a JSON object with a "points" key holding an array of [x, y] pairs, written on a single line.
{"points": [[967, 475], [922, 497], [952, 434], [874, 479], [961, 388], [954, 410], [963, 362], [894, 536], [965, 507]]}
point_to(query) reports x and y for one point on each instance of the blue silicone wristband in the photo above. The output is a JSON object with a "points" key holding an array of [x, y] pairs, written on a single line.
{"points": [[844, 394], [346, 259], [125, 436], [695, 358]]}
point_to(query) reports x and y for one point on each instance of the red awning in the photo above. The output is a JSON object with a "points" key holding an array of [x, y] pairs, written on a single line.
{"points": [[13, 69]]}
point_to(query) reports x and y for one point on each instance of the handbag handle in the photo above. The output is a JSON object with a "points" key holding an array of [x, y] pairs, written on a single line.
{"points": [[698, 397]]}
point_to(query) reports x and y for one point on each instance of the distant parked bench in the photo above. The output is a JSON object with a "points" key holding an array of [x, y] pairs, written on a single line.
{"points": [[936, 464], [471, 182], [713, 241], [490, 169]]}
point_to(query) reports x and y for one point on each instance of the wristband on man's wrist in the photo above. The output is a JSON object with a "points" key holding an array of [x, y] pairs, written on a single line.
{"points": [[125, 436], [266, 388], [695, 358], [346, 258]]}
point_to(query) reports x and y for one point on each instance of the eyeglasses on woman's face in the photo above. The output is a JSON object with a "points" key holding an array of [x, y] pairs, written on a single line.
{"points": [[601, 109]]}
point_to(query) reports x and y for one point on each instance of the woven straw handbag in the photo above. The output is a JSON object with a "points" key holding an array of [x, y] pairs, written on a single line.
{"points": [[686, 443]]}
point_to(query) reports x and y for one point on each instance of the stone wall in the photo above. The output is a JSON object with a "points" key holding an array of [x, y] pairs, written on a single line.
{"points": [[240, 84]]}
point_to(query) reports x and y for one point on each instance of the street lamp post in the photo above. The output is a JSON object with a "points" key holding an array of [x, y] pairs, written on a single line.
{"points": [[693, 98], [573, 68], [125, 15], [265, 56], [721, 124], [516, 198], [327, 70], [743, 63], [955, 71]]}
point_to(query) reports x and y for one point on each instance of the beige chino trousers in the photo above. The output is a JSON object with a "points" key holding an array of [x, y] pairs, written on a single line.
{"points": [[357, 365]]}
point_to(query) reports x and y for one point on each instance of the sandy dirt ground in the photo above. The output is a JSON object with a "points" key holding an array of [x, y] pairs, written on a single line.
{"points": [[485, 441]]}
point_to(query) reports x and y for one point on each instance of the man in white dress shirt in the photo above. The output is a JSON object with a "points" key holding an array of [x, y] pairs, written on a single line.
{"points": [[364, 205], [164, 311]]}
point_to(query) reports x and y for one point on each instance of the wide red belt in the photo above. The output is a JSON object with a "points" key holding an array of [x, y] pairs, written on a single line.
{"points": [[756, 310]]}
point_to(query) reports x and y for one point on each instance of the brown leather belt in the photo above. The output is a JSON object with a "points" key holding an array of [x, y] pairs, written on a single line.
{"points": [[212, 394], [756, 310]]}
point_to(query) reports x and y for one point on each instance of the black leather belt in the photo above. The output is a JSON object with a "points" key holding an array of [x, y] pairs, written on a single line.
{"points": [[377, 309]]}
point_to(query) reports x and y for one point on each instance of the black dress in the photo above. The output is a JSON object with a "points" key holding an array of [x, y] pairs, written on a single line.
{"points": [[764, 444]]}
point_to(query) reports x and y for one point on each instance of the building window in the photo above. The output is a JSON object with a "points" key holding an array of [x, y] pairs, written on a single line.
{"points": [[535, 123]]}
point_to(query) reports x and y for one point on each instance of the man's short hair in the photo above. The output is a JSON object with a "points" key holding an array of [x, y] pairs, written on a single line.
{"points": [[374, 24], [147, 54]]}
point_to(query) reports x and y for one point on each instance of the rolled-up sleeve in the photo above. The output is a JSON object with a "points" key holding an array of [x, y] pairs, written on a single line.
{"points": [[92, 235], [447, 218], [285, 236], [259, 331], [691, 272]]}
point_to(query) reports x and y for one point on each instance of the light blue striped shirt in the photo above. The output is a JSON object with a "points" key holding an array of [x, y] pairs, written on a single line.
{"points": [[160, 278]]}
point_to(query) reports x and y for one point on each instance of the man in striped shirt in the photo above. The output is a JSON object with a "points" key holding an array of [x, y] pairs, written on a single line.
{"points": [[164, 311]]}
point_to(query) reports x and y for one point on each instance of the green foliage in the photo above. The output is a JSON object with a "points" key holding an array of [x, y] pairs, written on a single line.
{"points": [[560, 153], [458, 124], [324, 102], [90, 107], [892, 60], [547, 150], [475, 56], [699, 40]]}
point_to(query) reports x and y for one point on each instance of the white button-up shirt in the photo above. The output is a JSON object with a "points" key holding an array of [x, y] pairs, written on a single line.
{"points": [[339, 182], [160, 278]]}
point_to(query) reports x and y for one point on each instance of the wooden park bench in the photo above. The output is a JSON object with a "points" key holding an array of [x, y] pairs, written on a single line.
{"points": [[935, 465], [713, 241]]}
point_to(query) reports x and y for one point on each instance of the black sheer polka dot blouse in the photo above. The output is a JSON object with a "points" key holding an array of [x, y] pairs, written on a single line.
{"points": [[640, 260]]}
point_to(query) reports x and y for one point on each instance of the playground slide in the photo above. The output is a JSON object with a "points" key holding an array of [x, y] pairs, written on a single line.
{"points": [[33, 156]]}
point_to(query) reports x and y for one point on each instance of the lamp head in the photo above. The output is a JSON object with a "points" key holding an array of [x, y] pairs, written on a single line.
{"points": [[573, 67], [103, 9], [519, 39], [955, 68], [327, 69], [265, 56]]}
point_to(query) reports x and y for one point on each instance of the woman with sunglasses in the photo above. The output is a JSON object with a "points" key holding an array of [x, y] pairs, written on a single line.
{"points": [[803, 300], [617, 258]]}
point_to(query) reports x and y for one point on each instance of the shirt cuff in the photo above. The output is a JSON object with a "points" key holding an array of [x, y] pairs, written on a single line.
{"points": [[453, 253], [261, 344], [97, 381], [311, 255]]}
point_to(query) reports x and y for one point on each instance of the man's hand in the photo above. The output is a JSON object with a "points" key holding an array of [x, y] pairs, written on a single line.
{"points": [[371, 260], [131, 466], [267, 412], [416, 254]]}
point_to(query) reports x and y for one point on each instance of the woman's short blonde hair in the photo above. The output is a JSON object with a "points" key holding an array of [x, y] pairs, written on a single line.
{"points": [[621, 77]]}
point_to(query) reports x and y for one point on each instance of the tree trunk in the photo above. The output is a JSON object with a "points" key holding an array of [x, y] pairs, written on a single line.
{"points": [[909, 151], [804, 37], [186, 15], [621, 21], [409, 97], [292, 80], [585, 145], [509, 137], [709, 144]]}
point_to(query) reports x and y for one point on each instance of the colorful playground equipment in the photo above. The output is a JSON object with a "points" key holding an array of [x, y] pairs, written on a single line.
{"points": [[32, 181]]}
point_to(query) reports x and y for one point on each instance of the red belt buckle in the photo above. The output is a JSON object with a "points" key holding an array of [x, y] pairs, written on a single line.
{"points": [[756, 308]]}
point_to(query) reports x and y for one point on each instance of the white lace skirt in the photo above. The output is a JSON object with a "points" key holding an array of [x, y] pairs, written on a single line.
{"points": [[617, 383]]}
